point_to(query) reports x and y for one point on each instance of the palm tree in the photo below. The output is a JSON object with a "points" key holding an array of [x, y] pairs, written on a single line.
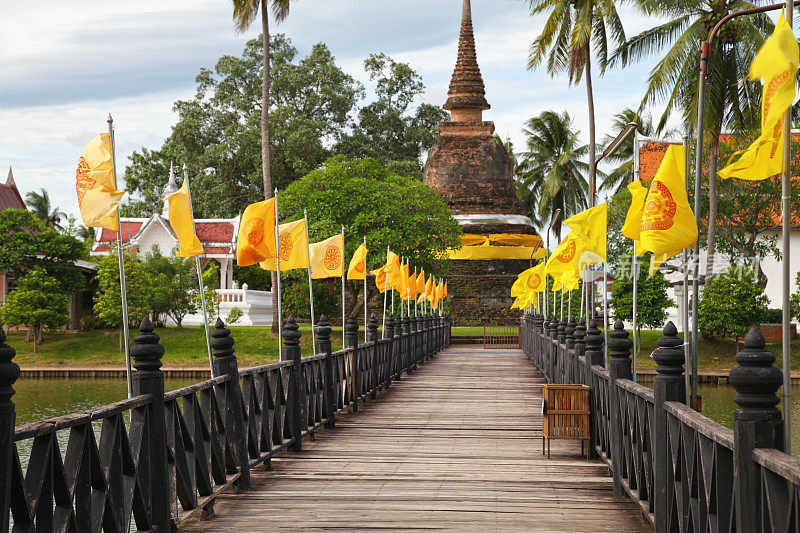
{"points": [[565, 44], [39, 204], [731, 102], [551, 173], [244, 13], [618, 178]]}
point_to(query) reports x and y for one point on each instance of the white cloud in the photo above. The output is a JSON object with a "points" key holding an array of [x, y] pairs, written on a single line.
{"points": [[66, 65]]}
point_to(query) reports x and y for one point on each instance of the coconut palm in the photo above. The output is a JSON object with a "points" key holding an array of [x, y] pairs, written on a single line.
{"points": [[574, 32], [244, 13], [731, 103], [551, 173], [623, 157], [39, 204]]}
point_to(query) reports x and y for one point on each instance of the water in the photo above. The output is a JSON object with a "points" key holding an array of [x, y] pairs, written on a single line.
{"points": [[718, 405]]}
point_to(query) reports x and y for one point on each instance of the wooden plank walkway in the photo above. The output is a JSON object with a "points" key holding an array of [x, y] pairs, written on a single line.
{"points": [[455, 446]]}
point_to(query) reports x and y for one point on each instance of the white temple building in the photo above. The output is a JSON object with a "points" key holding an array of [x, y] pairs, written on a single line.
{"points": [[218, 237]]}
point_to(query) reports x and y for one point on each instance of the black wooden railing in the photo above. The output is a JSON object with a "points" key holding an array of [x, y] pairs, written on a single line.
{"points": [[158, 459], [685, 472]]}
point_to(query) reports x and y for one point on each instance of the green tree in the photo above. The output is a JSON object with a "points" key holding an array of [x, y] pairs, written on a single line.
{"points": [[617, 179], [732, 101], [174, 284], [731, 303], [652, 300], [551, 173], [108, 300], [368, 200], [39, 204], [25, 243], [37, 301], [218, 134], [387, 129], [565, 44]]}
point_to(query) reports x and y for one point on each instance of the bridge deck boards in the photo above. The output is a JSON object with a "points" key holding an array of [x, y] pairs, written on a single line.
{"points": [[455, 446]]}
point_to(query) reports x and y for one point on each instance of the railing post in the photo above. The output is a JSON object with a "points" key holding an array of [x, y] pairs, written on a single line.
{"points": [[397, 350], [581, 376], [536, 344], [561, 336], [415, 340], [9, 372], [351, 342], [291, 349], [619, 367], [553, 340], [149, 379], [225, 363], [757, 423], [569, 367], [593, 352], [668, 386], [406, 364], [329, 392]]}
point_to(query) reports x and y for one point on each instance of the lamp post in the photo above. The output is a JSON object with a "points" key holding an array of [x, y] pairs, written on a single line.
{"points": [[553, 220], [705, 66]]}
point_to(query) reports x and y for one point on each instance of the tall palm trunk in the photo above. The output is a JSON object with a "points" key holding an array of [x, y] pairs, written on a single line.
{"points": [[711, 243], [265, 80]]}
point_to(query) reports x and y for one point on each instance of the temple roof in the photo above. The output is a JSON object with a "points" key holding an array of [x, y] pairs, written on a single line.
{"points": [[10, 197], [466, 86]]}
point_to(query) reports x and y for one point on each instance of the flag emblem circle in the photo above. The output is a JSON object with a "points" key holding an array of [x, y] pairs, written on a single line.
{"points": [[255, 233], [360, 267], [533, 281], [568, 254], [333, 257], [660, 209], [286, 244], [83, 181]]}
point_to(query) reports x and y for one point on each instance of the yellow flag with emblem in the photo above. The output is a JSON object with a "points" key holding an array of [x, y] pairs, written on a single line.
{"points": [[181, 220], [98, 196], [776, 64], [293, 247], [256, 241], [358, 264], [566, 256], [531, 280], [590, 226], [387, 276], [326, 258], [668, 223], [631, 228]]}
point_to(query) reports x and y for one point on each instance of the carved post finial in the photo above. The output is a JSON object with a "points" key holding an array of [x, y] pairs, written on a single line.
{"points": [[569, 333], [221, 341], [323, 331], [9, 370], [594, 344], [372, 328], [351, 332], [146, 351], [619, 352]]}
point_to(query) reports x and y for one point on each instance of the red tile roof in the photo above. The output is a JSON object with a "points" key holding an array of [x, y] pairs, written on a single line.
{"points": [[10, 198], [128, 228], [217, 249], [214, 231]]}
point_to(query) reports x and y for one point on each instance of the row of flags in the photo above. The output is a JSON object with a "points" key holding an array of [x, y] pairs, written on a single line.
{"points": [[261, 240]]}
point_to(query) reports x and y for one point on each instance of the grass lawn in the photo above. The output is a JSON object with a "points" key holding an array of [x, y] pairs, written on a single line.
{"points": [[185, 346]]}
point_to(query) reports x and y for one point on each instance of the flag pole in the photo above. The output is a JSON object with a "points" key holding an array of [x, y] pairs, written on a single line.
{"points": [[634, 267], [561, 314], [365, 289], [310, 286], [786, 190], [605, 304], [200, 279], [343, 273], [385, 288], [416, 283], [583, 288], [569, 307], [685, 316], [278, 276], [121, 256]]}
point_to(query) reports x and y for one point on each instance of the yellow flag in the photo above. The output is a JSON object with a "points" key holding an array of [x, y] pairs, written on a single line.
{"points": [[668, 223], [412, 286], [429, 289], [590, 227], [387, 276], [566, 256], [570, 281], [358, 264], [445, 290], [293, 245], [181, 220], [531, 280], [633, 219], [403, 279], [326, 258], [420, 289], [98, 196], [776, 64], [256, 241]]}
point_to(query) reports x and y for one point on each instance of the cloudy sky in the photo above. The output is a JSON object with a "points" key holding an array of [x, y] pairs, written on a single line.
{"points": [[65, 65]]}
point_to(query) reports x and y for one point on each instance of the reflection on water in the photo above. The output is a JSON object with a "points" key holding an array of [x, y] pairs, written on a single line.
{"points": [[718, 405]]}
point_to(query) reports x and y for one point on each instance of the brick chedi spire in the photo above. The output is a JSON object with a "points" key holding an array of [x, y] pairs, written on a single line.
{"points": [[472, 172], [466, 97]]}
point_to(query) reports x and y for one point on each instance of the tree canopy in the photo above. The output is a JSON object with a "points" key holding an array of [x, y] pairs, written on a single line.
{"points": [[25, 243]]}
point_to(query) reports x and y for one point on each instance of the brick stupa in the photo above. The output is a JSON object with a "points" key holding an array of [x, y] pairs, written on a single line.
{"points": [[471, 171]]}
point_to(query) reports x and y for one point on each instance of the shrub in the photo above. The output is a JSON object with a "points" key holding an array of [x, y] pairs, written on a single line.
{"points": [[234, 316], [731, 303]]}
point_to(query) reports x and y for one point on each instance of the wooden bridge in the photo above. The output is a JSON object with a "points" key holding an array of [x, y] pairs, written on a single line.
{"points": [[403, 432]]}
